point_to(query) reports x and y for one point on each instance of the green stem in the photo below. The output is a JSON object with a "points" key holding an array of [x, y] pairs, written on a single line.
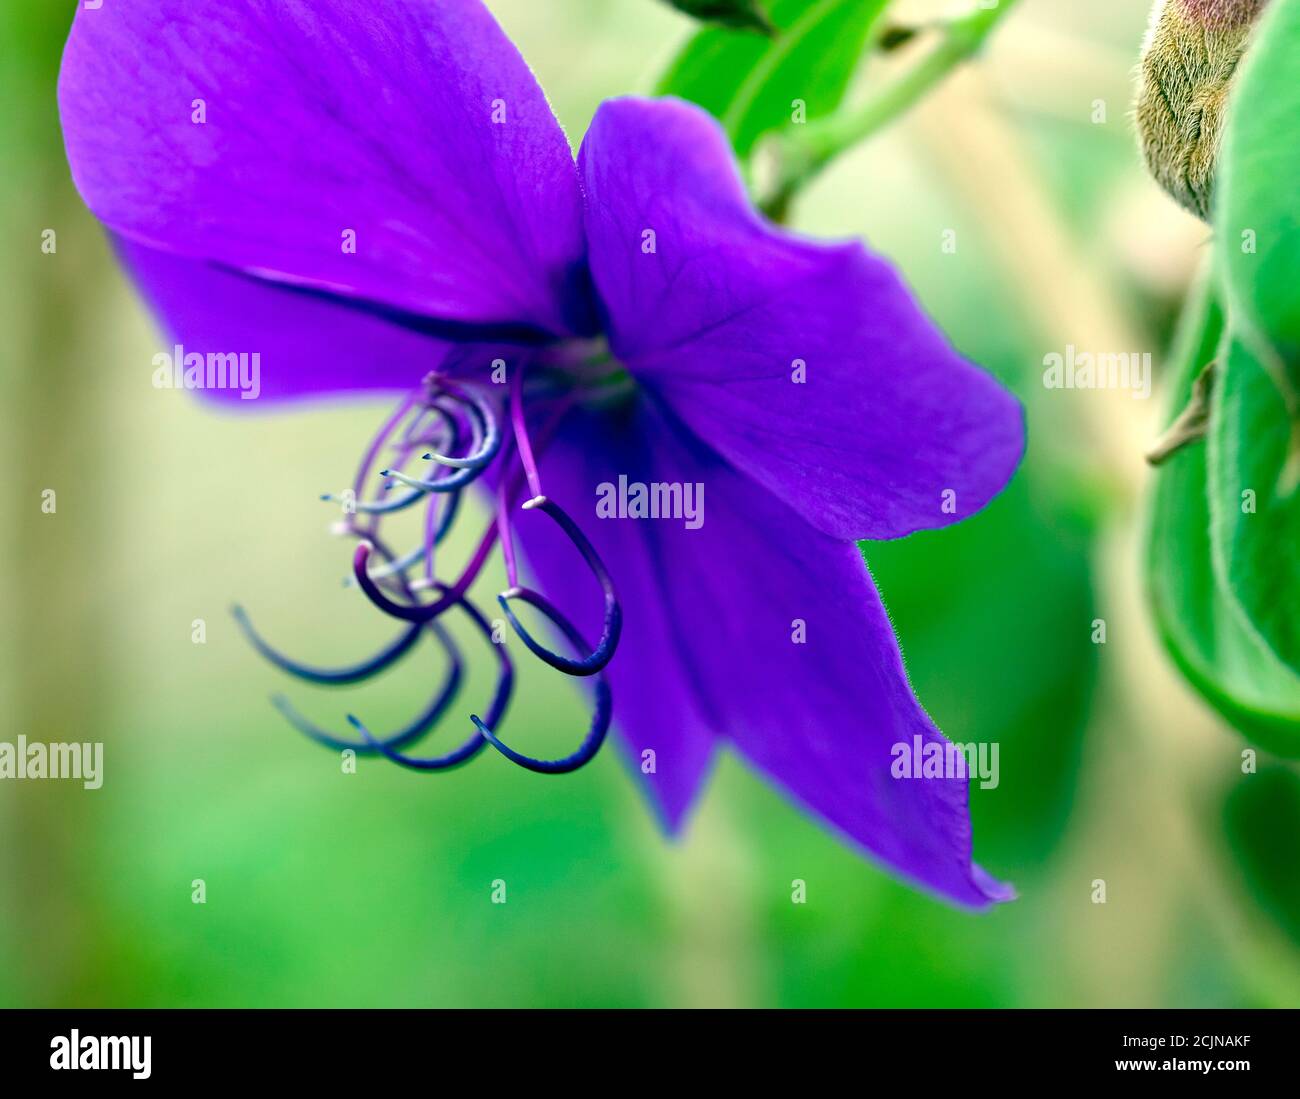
{"points": [[804, 151], [1191, 424]]}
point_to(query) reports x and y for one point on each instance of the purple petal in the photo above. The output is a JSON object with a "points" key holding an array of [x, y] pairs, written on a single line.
{"points": [[708, 646], [307, 345], [889, 431], [325, 118]]}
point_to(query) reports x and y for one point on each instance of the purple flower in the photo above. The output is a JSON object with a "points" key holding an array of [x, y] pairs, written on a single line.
{"points": [[375, 196]]}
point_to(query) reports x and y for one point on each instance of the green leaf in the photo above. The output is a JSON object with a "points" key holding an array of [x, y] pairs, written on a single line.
{"points": [[1201, 627], [1254, 452], [750, 83], [1258, 219], [744, 14], [1255, 501], [1262, 821]]}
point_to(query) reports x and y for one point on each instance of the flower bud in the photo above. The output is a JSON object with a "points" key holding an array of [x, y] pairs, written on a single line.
{"points": [[1191, 53]]}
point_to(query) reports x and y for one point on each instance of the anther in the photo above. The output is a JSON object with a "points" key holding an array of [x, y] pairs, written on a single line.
{"points": [[413, 730], [596, 733], [601, 655], [477, 741]]}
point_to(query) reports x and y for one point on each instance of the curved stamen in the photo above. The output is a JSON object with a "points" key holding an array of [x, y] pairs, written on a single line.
{"points": [[426, 425], [451, 483], [595, 737], [371, 507], [508, 488], [413, 730], [440, 417], [392, 568], [497, 709], [436, 534], [525, 447], [352, 673], [486, 442], [420, 612], [377, 443], [436, 528], [487, 432], [598, 657], [405, 446]]}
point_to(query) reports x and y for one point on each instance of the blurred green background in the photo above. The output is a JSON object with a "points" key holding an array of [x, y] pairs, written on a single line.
{"points": [[374, 889]]}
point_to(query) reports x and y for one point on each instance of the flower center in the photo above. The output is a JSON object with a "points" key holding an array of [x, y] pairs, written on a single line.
{"points": [[469, 432], [587, 368]]}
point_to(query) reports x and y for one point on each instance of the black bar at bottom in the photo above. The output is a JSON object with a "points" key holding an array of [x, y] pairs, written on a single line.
{"points": [[876, 1048]]}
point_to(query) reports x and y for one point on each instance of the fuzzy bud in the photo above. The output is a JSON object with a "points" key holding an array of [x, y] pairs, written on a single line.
{"points": [[1191, 53]]}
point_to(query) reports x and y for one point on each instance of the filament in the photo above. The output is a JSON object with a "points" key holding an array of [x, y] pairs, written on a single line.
{"points": [[414, 730], [596, 733], [349, 673], [601, 655], [477, 741]]}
